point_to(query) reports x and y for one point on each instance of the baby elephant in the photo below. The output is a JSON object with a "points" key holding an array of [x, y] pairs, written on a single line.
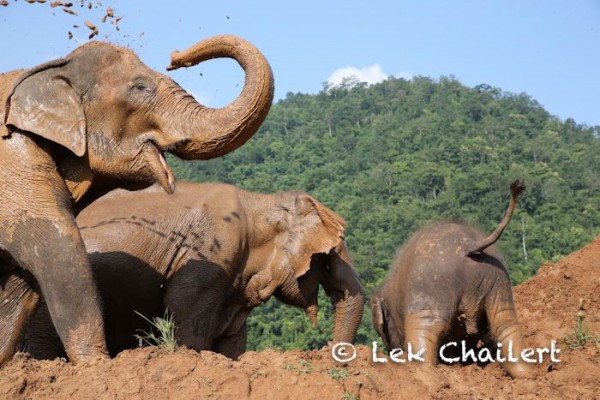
{"points": [[450, 284], [209, 254]]}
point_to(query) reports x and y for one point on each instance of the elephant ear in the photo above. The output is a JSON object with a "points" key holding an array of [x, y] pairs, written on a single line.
{"points": [[44, 103], [382, 323], [314, 229]]}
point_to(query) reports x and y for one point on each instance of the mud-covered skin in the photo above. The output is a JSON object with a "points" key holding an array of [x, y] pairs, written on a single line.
{"points": [[75, 128], [14, 285], [210, 253], [439, 291]]}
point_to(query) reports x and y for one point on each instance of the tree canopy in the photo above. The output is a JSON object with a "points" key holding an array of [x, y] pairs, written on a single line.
{"points": [[394, 156]]}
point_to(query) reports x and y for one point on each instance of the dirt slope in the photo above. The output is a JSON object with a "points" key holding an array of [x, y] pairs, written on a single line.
{"points": [[548, 305]]}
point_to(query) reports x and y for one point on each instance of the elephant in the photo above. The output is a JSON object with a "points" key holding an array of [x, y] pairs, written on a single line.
{"points": [[75, 128], [209, 254], [449, 283]]}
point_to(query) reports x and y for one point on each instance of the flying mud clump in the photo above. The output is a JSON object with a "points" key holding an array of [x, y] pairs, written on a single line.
{"points": [[68, 7]]}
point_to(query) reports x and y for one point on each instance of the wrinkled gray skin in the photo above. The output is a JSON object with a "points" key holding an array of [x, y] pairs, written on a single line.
{"points": [[210, 253], [449, 283], [75, 128]]}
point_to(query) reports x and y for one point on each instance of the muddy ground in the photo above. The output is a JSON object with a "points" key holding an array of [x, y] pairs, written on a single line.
{"points": [[548, 307]]}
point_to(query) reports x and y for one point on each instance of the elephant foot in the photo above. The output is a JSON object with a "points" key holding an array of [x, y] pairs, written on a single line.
{"points": [[85, 346], [518, 370], [89, 358]]}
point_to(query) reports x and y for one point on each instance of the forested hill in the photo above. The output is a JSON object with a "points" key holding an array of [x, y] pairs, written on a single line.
{"points": [[396, 155]]}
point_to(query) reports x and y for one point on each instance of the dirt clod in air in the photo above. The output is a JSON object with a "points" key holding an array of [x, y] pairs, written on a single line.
{"points": [[108, 14], [60, 4]]}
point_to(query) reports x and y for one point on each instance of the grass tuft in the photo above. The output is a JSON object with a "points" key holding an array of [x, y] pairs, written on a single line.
{"points": [[338, 374], [581, 335], [162, 334]]}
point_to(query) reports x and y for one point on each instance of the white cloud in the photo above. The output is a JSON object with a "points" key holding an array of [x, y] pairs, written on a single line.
{"points": [[370, 75]]}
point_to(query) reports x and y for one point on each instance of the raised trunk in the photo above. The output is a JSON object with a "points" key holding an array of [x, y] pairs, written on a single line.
{"points": [[208, 132]]}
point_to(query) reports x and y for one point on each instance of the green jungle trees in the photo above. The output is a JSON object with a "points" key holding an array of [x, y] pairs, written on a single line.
{"points": [[396, 155]]}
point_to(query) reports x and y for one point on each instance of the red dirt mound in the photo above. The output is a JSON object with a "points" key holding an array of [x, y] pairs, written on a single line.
{"points": [[549, 305]]}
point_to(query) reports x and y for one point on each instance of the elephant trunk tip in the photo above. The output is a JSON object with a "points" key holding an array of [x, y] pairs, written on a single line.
{"points": [[516, 188]]}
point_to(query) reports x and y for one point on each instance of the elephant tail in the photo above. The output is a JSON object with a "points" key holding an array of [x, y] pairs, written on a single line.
{"points": [[516, 188]]}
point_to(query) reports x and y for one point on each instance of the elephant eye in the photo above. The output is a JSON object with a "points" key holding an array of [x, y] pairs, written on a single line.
{"points": [[139, 85]]}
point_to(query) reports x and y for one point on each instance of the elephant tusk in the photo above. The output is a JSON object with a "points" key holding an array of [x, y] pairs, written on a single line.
{"points": [[312, 312], [168, 170]]}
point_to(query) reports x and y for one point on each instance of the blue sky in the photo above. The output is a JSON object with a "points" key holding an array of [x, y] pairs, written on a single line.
{"points": [[549, 49]]}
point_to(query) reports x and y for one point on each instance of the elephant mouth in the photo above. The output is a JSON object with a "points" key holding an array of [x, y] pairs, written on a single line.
{"points": [[160, 168]]}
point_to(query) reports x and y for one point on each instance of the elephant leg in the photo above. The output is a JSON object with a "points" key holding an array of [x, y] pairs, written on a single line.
{"points": [[39, 232], [40, 338], [504, 328], [17, 302], [196, 327], [232, 346], [195, 296], [423, 331], [55, 255]]}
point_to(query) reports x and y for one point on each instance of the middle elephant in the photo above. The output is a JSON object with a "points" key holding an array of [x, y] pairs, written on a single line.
{"points": [[210, 253]]}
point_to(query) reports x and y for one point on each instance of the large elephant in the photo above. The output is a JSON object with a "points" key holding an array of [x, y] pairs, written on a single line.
{"points": [[209, 254], [75, 128], [450, 284]]}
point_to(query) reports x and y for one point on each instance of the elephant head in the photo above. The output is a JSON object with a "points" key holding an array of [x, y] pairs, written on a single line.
{"points": [[116, 116], [304, 245]]}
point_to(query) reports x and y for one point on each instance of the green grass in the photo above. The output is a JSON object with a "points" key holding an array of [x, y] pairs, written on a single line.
{"points": [[162, 335], [289, 367], [581, 335], [303, 367], [338, 374]]}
